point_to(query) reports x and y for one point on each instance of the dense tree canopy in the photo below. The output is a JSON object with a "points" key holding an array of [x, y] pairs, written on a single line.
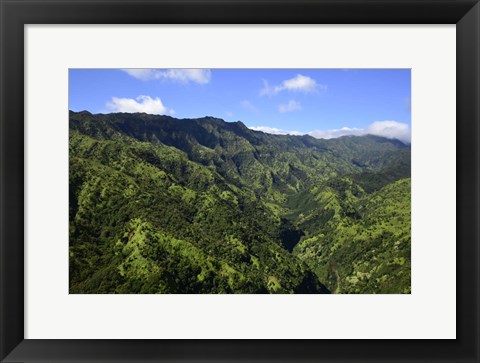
{"points": [[162, 205]]}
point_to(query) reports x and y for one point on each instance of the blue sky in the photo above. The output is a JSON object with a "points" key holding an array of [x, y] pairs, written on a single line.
{"points": [[321, 102]]}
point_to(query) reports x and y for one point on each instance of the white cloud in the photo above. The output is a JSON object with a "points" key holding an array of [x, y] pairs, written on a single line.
{"points": [[249, 106], [140, 104], [299, 83], [275, 131], [201, 76], [290, 106], [142, 74], [331, 134], [388, 129]]}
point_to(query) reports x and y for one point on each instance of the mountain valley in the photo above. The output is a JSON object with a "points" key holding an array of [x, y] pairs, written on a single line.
{"points": [[165, 205]]}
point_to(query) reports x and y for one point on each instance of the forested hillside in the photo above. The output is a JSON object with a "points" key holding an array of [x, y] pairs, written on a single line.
{"points": [[165, 205]]}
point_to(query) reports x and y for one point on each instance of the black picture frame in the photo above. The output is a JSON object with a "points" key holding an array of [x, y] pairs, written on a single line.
{"points": [[17, 13]]}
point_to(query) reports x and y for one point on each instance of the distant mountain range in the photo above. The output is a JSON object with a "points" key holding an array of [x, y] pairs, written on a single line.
{"points": [[165, 205]]}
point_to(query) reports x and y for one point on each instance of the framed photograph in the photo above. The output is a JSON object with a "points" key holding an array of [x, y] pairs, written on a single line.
{"points": [[239, 181]]}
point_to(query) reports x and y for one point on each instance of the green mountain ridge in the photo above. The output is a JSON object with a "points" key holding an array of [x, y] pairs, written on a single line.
{"points": [[162, 205]]}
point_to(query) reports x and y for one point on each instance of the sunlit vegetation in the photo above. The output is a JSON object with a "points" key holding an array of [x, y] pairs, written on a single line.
{"points": [[161, 205]]}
